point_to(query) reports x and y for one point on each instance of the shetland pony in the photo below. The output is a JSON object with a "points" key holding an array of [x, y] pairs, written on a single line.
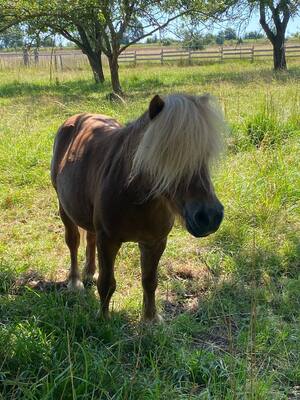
{"points": [[127, 183]]}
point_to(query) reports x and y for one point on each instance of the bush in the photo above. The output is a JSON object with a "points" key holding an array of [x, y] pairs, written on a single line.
{"points": [[265, 129], [197, 41], [220, 38], [253, 35], [167, 42]]}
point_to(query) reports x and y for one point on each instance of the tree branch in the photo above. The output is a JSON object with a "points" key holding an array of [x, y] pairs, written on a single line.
{"points": [[153, 31]]}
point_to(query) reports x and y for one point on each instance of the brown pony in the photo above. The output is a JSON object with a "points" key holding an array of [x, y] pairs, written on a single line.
{"points": [[127, 183]]}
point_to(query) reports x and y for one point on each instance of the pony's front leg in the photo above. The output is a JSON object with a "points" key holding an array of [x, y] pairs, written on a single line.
{"points": [[107, 250], [150, 256]]}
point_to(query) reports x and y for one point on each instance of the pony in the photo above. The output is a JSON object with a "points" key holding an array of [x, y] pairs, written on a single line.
{"points": [[127, 183]]}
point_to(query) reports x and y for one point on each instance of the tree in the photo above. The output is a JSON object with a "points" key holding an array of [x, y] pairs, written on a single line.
{"points": [[220, 38], [102, 26], [253, 35], [25, 35], [121, 16], [74, 20], [34, 37], [230, 34], [274, 18], [152, 39], [195, 40], [95, 26], [13, 37]]}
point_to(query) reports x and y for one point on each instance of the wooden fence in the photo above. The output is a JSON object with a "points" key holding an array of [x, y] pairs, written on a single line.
{"points": [[73, 59], [219, 55]]}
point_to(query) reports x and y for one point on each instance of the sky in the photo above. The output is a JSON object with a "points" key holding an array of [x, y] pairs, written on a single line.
{"points": [[252, 25], [293, 25]]}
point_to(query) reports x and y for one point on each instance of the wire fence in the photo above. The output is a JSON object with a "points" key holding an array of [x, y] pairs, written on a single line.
{"points": [[75, 59]]}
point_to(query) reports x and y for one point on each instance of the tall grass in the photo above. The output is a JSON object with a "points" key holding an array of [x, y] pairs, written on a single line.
{"points": [[230, 301]]}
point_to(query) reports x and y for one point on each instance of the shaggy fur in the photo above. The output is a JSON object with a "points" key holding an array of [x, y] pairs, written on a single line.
{"points": [[183, 138]]}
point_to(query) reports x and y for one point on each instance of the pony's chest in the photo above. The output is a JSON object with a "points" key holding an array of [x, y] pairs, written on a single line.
{"points": [[138, 223]]}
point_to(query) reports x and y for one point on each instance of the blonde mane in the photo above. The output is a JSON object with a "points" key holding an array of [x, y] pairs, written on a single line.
{"points": [[179, 141]]}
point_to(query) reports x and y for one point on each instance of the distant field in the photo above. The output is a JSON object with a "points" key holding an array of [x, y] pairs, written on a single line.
{"points": [[70, 58], [260, 43], [231, 301]]}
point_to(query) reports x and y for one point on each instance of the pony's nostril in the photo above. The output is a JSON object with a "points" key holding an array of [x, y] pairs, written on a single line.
{"points": [[202, 218], [218, 218]]}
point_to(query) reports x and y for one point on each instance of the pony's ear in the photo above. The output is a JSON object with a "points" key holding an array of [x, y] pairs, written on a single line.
{"points": [[155, 106], [205, 98]]}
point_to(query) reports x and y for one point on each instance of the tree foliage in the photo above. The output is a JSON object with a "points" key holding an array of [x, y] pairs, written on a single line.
{"points": [[230, 34], [195, 40], [253, 35], [13, 37]]}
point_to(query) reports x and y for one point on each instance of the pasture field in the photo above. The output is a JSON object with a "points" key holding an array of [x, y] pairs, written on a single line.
{"points": [[231, 301]]}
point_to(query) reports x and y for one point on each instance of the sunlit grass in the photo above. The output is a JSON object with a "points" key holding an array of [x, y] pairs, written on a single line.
{"points": [[231, 301]]}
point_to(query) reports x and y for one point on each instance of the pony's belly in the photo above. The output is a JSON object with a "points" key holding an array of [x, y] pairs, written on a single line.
{"points": [[76, 205], [79, 215]]}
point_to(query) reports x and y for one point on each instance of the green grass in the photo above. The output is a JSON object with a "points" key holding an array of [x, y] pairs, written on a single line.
{"points": [[231, 301]]}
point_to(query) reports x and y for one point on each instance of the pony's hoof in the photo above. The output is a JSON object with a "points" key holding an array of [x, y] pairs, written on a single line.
{"points": [[156, 319], [75, 286], [103, 315], [89, 279]]}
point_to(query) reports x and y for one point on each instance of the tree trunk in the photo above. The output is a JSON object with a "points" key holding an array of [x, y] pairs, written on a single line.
{"points": [[279, 53], [96, 65], [276, 34], [114, 73]]}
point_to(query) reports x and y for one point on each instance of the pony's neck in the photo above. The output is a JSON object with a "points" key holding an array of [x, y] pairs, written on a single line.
{"points": [[131, 135], [134, 130]]}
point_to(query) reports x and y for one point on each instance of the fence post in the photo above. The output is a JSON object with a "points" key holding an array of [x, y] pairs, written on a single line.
{"points": [[135, 58], [61, 62], [221, 54], [190, 57], [55, 61], [162, 56], [252, 54], [26, 57]]}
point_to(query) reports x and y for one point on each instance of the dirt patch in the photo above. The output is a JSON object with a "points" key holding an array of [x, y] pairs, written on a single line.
{"points": [[35, 280], [189, 272], [175, 307], [220, 337], [187, 284]]}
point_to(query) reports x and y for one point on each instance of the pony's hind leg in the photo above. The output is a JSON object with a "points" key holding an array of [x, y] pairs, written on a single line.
{"points": [[90, 262], [150, 256], [107, 250], [72, 238]]}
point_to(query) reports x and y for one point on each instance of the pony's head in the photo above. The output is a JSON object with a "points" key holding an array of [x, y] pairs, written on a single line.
{"points": [[175, 152]]}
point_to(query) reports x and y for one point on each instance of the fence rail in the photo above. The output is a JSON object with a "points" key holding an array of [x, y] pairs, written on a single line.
{"points": [[70, 59], [221, 54]]}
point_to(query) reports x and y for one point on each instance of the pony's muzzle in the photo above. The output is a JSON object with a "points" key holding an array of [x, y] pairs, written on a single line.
{"points": [[203, 219]]}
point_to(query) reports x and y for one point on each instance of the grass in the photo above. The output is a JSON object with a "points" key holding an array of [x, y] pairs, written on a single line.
{"points": [[230, 301]]}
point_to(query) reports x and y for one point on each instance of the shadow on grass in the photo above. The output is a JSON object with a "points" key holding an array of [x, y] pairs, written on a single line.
{"points": [[135, 86], [218, 298], [52, 345], [248, 76], [52, 342], [71, 89]]}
